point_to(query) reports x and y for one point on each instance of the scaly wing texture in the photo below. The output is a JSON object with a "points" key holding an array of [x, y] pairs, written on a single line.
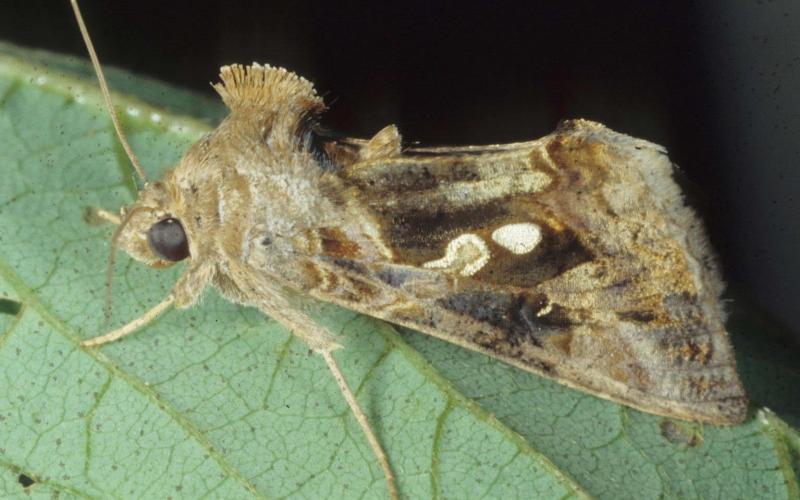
{"points": [[572, 256]]}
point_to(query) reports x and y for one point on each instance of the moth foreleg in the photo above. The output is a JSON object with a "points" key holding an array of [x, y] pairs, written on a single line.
{"points": [[134, 325], [186, 292], [97, 216]]}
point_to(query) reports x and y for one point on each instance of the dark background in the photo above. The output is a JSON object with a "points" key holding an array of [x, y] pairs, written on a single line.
{"points": [[716, 82]]}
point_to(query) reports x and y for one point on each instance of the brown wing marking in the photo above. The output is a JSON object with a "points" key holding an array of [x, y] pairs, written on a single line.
{"points": [[617, 298], [646, 367]]}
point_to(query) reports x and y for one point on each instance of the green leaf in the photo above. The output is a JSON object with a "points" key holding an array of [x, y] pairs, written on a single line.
{"points": [[221, 401]]}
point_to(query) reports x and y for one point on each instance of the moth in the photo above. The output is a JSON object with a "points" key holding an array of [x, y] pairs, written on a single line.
{"points": [[572, 256]]}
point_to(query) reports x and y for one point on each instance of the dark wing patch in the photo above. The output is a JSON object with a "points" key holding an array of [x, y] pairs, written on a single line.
{"points": [[523, 317], [417, 203], [420, 235]]}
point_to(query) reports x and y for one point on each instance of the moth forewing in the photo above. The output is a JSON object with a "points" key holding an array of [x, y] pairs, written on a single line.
{"points": [[573, 256]]}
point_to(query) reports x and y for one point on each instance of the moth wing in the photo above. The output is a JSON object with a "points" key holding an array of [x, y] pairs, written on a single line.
{"points": [[573, 257]]}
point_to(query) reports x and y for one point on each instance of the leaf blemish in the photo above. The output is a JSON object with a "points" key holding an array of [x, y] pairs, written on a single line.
{"points": [[10, 307], [681, 433], [25, 480]]}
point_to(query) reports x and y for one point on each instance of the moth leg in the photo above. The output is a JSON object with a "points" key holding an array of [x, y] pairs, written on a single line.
{"points": [[377, 449], [191, 285], [131, 327], [185, 293], [96, 216], [286, 307]]}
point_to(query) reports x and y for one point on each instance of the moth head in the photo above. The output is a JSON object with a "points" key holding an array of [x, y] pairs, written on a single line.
{"points": [[151, 230]]}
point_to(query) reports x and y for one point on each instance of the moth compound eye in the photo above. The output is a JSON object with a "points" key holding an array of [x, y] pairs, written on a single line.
{"points": [[167, 240]]}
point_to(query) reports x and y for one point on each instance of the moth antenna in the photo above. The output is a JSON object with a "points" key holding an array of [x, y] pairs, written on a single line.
{"points": [[106, 94]]}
